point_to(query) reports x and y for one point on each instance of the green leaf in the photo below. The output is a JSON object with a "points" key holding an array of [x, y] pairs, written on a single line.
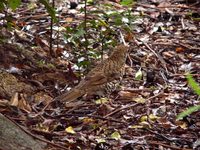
{"points": [[115, 135], [138, 75], [50, 9], [90, 1], [126, 2], [118, 20], [194, 85], [103, 23], [116, 17], [83, 63], [2, 7], [14, 3], [70, 129], [187, 112]]}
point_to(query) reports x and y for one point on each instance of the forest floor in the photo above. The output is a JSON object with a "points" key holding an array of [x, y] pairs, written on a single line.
{"points": [[142, 113]]}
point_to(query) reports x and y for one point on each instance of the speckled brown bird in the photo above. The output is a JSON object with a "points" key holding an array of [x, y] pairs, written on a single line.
{"points": [[109, 70]]}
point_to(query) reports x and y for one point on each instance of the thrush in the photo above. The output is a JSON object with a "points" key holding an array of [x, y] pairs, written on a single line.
{"points": [[104, 73]]}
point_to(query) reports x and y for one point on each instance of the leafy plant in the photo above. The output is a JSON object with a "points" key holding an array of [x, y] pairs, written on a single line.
{"points": [[14, 4], [50, 9], [102, 32], [194, 85]]}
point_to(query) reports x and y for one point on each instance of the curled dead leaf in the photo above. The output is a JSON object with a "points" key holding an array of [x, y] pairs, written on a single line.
{"points": [[14, 101]]}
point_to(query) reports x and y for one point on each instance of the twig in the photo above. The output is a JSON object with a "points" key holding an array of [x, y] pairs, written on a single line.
{"points": [[168, 146], [130, 106], [182, 23], [102, 46], [178, 75], [51, 35], [85, 28], [104, 118], [137, 90], [122, 38], [161, 135], [88, 115], [148, 104], [171, 6], [120, 109], [48, 104], [32, 17], [158, 56], [187, 45]]}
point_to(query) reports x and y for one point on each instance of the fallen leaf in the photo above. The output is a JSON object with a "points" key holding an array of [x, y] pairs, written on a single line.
{"points": [[138, 75], [70, 129], [101, 100], [115, 135], [14, 100], [88, 120], [139, 100], [23, 104], [101, 140], [151, 117], [180, 49]]}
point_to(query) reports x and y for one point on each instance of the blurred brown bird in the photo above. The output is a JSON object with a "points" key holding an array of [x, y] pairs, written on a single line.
{"points": [[109, 70]]}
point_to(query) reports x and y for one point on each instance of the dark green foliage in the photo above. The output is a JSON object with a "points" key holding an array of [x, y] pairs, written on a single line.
{"points": [[2, 5], [14, 3]]}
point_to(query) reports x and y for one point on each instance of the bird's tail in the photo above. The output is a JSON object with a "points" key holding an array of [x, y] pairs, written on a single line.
{"points": [[71, 95]]}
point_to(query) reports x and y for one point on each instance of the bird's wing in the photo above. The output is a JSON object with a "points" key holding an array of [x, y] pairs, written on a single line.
{"points": [[93, 79], [71, 95]]}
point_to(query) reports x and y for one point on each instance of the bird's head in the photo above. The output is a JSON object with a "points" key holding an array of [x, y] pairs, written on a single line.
{"points": [[119, 52]]}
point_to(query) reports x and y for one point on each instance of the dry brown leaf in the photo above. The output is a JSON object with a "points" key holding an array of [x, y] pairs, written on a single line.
{"points": [[4, 103], [127, 95], [14, 101], [42, 97], [23, 104], [180, 49]]}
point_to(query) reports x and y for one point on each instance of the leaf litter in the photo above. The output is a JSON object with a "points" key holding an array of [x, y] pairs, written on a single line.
{"points": [[141, 114]]}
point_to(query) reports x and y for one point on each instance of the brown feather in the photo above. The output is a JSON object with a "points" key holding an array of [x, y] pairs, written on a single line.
{"points": [[107, 71]]}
